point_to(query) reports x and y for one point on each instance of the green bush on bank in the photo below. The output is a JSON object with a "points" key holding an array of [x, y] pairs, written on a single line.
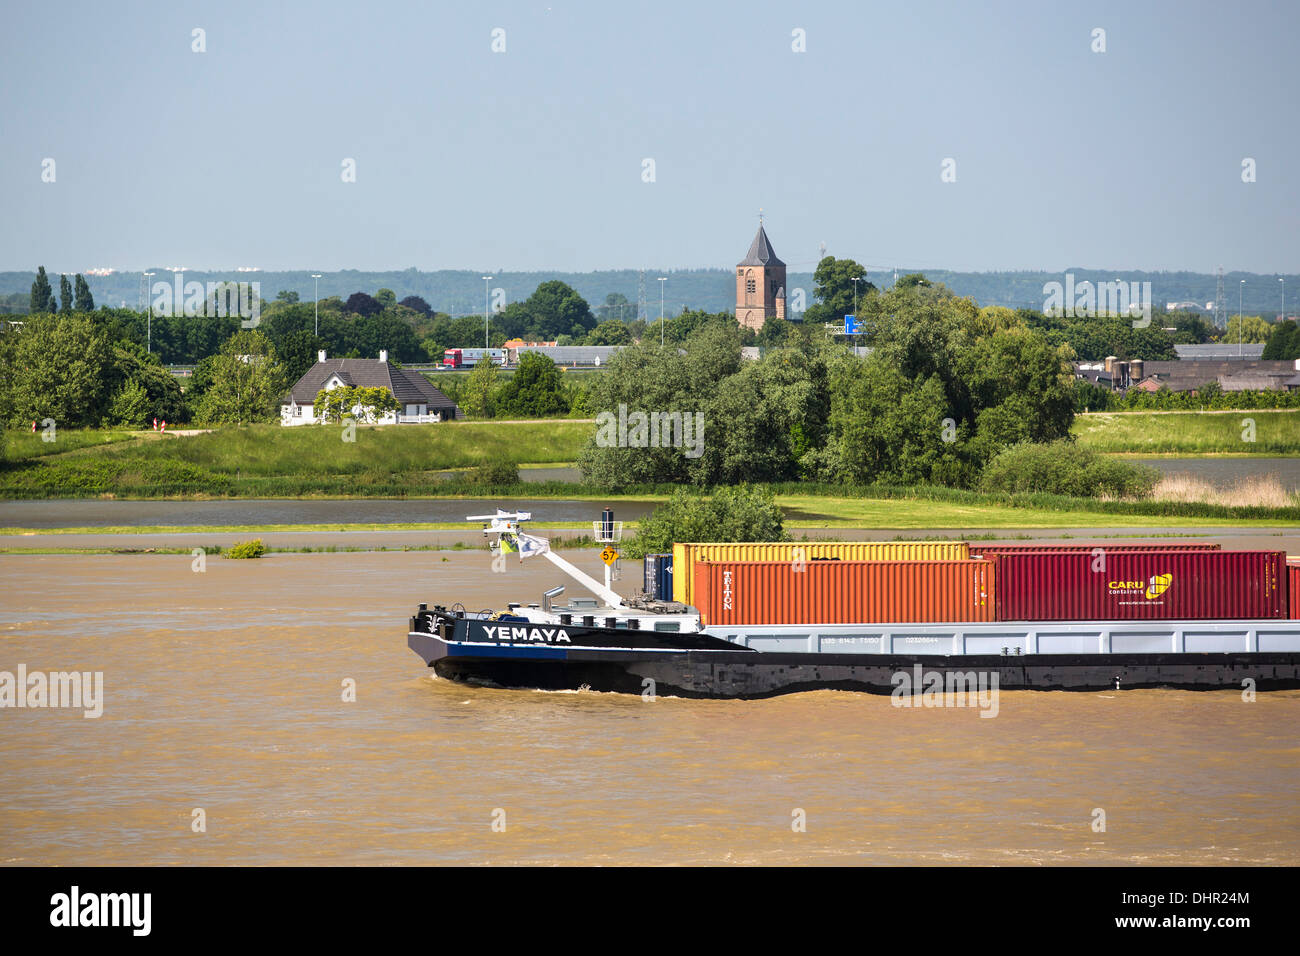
{"points": [[1065, 468], [742, 513], [247, 549]]}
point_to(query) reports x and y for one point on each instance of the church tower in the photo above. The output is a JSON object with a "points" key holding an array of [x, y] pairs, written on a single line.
{"points": [[760, 284]]}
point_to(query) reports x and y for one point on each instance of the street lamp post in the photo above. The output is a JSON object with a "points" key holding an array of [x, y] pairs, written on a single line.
{"points": [[316, 276], [148, 301], [855, 296], [486, 296], [662, 280], [1282, 317]]}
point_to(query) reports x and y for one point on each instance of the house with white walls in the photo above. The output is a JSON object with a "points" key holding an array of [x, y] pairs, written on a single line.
{"points": [[420, 402]]}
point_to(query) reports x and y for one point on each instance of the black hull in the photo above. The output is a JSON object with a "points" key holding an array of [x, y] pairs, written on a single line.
{"points": [[751, 676]]}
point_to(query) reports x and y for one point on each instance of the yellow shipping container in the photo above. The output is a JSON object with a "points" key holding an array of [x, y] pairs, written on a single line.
{"points": [[685, 555]]}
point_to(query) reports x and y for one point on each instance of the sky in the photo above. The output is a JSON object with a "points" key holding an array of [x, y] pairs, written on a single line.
{"points": [[620, 135]]}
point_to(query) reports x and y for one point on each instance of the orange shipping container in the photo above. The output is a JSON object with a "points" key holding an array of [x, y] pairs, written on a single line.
{"points": [[843, 592], [686, 554]]}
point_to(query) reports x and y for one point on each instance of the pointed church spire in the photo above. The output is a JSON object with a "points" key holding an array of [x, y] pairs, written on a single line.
{"points": [[761, 252]]}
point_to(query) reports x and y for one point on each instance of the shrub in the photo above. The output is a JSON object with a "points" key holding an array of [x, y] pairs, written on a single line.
{"points": [[247, 549], [1065, 468], [742, 513], [498, 472]]}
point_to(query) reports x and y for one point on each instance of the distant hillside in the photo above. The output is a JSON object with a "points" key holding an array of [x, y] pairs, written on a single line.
{"points": [[461, 293]]}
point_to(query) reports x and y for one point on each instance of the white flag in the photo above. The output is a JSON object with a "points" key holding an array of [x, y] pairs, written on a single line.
{"points": [[530, 545]]}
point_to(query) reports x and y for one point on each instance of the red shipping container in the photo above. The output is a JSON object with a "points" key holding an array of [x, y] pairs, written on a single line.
{"points": [[1107, 546], [842, 592], [1293, 572], [1142, 585]]}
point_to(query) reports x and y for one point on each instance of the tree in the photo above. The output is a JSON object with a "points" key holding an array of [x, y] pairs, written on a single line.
{"points": [[286, 295], [65, 294], [42, 294], [535, 390], [418, 304], [367, 404], [246, 382], [297, 352], [478, 397], [386, 298], [616, 308], [60, 368], [362, 304], [611, 332], [1246, 328], [912, 280], [1284, 343], [143, 389], [554, 309], [741, 513], [85, 302], [834, 288]]}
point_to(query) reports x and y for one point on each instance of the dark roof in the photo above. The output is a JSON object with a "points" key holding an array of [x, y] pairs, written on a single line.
{"points": [[409, 388], [761, 252], [1187, 374]]}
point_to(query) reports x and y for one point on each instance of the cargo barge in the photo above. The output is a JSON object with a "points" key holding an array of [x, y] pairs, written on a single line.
{"points": [[665, 647]]}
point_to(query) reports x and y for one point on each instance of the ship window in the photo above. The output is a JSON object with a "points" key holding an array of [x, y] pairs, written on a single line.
{"points": [[667, 626]]}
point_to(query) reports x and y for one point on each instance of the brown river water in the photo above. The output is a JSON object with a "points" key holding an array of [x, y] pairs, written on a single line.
{"points": [[223, 691]]}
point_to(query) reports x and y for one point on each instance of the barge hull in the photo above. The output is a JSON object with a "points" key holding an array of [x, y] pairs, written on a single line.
{"points": [[746, 675]]}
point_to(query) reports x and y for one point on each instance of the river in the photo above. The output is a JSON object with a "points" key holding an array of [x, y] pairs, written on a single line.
{"points": [[224, 693]]}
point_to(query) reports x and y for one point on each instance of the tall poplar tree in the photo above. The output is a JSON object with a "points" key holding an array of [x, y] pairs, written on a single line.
{"points": [[42, 294], [85, 301], [65, 293]]}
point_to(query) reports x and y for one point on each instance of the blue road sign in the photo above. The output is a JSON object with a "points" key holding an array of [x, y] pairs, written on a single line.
{"points": [[850, 325]]}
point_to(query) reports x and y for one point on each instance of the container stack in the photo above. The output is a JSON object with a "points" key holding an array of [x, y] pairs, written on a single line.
{"points": [[873, 582]]}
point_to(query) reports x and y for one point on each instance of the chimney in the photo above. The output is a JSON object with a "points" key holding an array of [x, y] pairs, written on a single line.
{"points": [[320, 356], [383, 355]]}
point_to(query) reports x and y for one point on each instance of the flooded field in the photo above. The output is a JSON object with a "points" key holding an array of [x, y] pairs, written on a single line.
{"points": [[1223, 472], [224, 700]]}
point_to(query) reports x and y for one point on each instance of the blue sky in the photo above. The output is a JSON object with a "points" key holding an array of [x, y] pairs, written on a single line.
{"points": [[533, 158]]}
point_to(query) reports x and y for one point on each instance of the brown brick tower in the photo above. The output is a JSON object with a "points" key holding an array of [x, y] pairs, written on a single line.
{"points": [[760, 284]]}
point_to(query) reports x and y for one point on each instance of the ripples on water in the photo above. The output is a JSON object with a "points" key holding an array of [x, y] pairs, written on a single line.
{"points": [[223, 692]]}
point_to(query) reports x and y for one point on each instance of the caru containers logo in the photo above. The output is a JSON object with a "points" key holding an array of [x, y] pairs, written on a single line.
{"points": [[1150, 589]]}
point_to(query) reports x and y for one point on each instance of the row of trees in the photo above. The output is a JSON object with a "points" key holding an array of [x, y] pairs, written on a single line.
{"points": [[43, 300], [537, 389], [946, 387], [74, 370]]}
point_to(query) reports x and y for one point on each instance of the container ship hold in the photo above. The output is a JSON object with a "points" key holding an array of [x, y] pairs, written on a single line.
{"points": [[756, 620]]}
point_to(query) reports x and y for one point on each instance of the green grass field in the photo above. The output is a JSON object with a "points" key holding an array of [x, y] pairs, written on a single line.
{"points": [[276, 461], [21, 445], [1191, 433]]}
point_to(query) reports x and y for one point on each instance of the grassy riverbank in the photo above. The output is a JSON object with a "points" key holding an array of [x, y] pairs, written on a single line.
{"points": [[1276, 433], [272, 461]]}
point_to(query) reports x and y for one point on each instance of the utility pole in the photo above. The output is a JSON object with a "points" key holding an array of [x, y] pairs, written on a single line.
{"points": [[316, 276], [662, 280], [149, 302]]}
